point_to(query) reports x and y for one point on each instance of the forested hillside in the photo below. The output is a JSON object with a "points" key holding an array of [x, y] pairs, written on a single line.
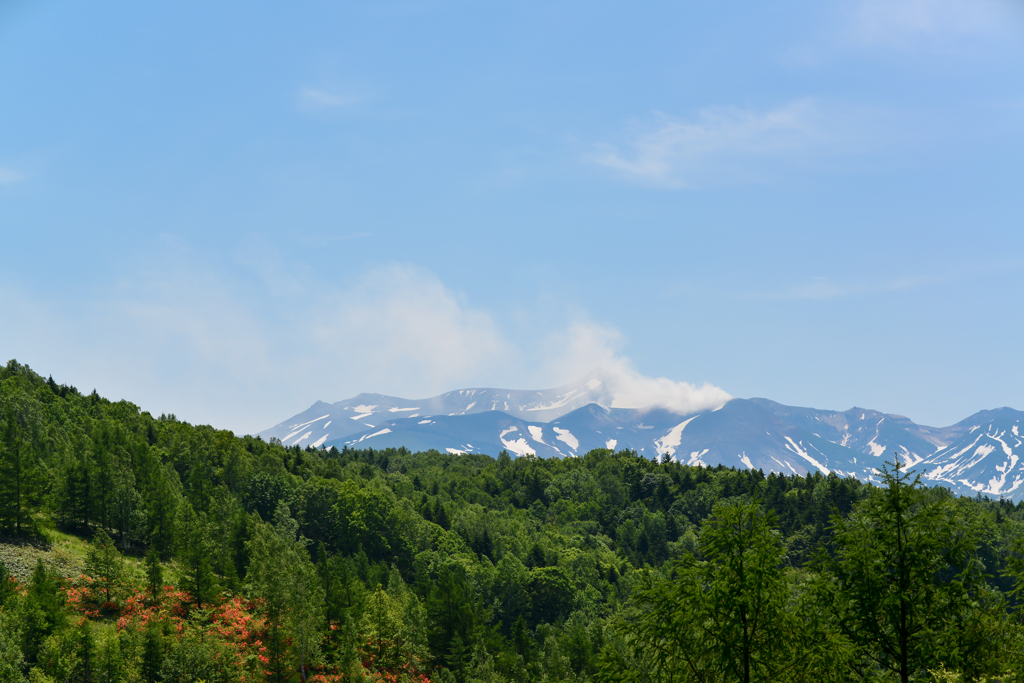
{"points": [[141, 548]]}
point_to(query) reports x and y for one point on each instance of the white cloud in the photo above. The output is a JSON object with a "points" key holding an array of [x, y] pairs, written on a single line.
{"points": [[634, 390], [567, 353], [720, 142], [587, 346], [8, 176], [902, 22], [244, 349], [407, 331]]}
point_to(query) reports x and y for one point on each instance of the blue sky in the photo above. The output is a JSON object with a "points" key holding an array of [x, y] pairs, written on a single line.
{"points": [[231, 210]]}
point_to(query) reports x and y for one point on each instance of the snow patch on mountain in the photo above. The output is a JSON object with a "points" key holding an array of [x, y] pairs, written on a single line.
{"points": [[300, 426], [668, 444], [565, 436], [803, 454], [370, 436], [695, 458]]}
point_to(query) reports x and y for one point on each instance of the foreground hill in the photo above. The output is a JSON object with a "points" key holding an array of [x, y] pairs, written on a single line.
{"points": [[165, 551]]}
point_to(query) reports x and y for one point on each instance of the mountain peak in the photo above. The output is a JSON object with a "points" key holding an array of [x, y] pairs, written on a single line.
{"points": [[981, 454]]}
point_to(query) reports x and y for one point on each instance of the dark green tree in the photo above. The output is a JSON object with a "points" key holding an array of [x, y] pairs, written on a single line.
{"points": [[85, 669], [194, 550], [154, 575], [152, 653], [41, 612]]}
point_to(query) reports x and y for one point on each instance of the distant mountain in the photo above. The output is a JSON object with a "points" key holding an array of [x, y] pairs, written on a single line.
{"points": [[982, 454], [985, 457], [323, 421]]}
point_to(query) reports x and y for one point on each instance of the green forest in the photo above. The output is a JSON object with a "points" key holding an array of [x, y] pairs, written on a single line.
{"points": [[142, 548]]}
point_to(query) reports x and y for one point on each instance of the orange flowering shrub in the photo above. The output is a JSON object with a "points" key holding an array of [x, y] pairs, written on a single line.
{"points": [[235, 623]]}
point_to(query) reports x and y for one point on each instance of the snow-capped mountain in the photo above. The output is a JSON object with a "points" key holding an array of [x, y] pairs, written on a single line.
{"points": [[982, 454], [333, 421], [987, 458]]}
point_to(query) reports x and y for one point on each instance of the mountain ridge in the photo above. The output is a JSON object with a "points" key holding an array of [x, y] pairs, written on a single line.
{"points": [[981, 454]]}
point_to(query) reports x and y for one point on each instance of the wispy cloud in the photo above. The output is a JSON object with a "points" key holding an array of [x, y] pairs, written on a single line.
{"points": [[244, 349], [821, 288], [317, 99], [9, 176], [323, 241], [906, 22], [720, 143]]}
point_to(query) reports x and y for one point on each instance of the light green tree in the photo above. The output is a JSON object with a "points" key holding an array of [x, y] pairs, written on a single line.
{"points": [[728, 616], [12, 661], [282, 576], [105, 564], [906, 585]]}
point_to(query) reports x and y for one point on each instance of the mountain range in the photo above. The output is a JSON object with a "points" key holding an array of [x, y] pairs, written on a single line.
{"points": [[979, 455]]}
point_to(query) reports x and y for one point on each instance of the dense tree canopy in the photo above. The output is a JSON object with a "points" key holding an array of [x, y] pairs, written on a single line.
{"points": [[221, 558]]}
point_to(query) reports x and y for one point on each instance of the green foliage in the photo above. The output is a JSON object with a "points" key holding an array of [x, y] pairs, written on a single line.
{"points": [[152, 655], [194, 551], [154, 575], [283, 578], [728, 614], [12, 659], [40, 611], [105, 564], [462, 567], [195, 659], [907, 584], [7, 584]]}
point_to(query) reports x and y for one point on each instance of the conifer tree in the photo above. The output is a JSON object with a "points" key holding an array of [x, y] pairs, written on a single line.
{"points": [[281, 574], [12, 660], [724, 618], [194, 551], [152, 654], [908, 587], [105, 564], [154, 575], [17, 468], [85, 670], [40, 613]]}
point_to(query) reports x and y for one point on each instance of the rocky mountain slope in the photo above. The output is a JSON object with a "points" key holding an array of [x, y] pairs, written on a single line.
{"points": [[980, 455]]}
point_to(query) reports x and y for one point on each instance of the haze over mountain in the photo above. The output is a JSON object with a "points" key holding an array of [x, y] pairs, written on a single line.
{"points": [[979, 454]]}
